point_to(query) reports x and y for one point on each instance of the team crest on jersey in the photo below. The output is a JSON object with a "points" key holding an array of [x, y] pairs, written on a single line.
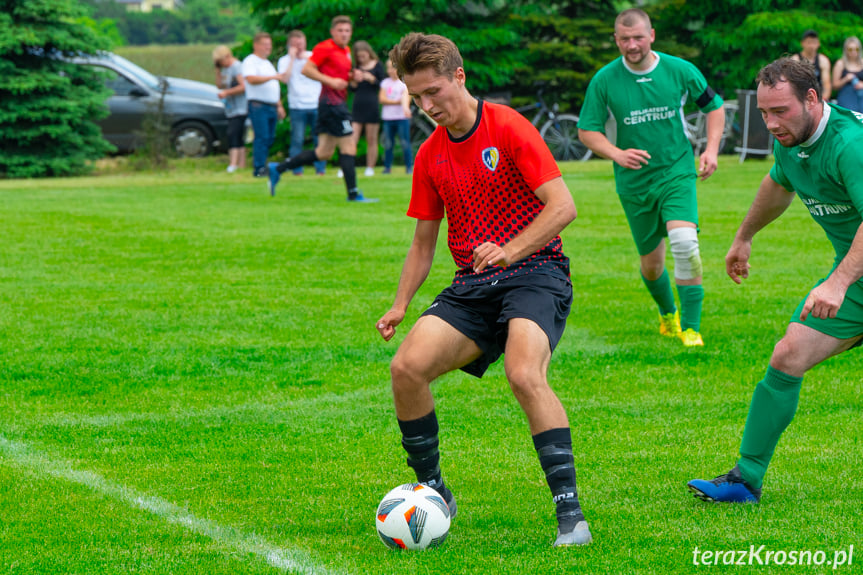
{"points": [[491, 157]]}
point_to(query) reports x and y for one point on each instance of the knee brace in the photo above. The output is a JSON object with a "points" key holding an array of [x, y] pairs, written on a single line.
{"points": [[684, 250]]}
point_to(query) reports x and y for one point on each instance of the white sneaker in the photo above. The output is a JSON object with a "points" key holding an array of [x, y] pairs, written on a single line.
{"points": [[340, 174], [231, 169], [370, 171]]}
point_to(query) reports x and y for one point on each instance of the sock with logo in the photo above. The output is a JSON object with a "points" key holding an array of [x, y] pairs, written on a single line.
{"points": [[304, 158], [554, 448], [660, 290], [420, 440], [774, 403]]}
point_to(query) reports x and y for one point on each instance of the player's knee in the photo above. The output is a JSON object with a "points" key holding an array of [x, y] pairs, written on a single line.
{"points": [[523, 380], [787, 355], [684, 250]]}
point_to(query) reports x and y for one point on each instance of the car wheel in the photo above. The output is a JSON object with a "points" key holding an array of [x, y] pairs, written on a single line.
{"points": [[192, 140]]}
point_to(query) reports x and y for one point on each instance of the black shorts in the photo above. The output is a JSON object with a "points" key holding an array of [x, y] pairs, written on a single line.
{"points": [[482, 312], [334, 120], [236, 125]]}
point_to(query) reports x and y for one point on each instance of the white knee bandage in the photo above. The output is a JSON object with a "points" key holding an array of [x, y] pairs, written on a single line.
{"points": [[684, 250]]}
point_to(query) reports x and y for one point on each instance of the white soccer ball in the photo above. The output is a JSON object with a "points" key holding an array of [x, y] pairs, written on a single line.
{"points": [[413, 516]]}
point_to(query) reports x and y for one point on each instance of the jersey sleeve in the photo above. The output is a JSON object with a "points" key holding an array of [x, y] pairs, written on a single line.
{"points": [[426, 203], [851, 169], [319, 54], [531, 154], [777, 174], [594, 111], [705, 97]]}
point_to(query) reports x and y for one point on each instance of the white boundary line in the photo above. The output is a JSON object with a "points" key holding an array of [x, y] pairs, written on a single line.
{"points": [[285, 559]]}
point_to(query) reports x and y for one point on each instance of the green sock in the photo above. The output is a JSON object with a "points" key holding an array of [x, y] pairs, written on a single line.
{"points": [[660, 289], [772, 409], [690, 306]]}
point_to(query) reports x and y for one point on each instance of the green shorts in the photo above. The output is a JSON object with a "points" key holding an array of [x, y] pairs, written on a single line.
{"points": [[848, 322], [649, 210]]}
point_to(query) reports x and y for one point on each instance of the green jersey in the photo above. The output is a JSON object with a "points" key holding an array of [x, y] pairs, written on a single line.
{"points": [[648, 109], [826, 172]]}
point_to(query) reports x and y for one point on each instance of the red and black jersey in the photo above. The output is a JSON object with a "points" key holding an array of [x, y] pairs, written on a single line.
{"points": [[483, 182], [333, 61]]}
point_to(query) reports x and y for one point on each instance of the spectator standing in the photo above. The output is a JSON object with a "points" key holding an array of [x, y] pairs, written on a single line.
{"points": [[330, 64], [303, 96], [809, 46], [396, 114], [366, 82], [848, 76], [229, 78], [264, 100]]}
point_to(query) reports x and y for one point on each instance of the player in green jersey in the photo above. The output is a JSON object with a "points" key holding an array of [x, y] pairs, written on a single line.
{"points": [[817, 158], [644, 91]]}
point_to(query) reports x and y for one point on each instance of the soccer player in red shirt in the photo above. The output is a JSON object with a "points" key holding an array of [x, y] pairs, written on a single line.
{"points": [[486, 168], [330, 64]]}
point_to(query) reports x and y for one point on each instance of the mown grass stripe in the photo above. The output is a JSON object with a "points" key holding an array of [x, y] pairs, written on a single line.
{"points": [[285, 559]]}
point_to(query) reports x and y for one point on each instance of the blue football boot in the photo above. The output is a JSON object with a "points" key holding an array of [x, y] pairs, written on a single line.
{"points": [[728, 488]]}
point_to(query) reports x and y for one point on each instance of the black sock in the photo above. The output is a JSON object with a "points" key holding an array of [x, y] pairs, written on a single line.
{"points": [[304, 158], [349, 169], [420, 440], [554, 448]]}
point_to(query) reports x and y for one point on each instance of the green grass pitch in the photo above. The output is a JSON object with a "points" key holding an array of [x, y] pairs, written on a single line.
{"points": [[191, 382]]}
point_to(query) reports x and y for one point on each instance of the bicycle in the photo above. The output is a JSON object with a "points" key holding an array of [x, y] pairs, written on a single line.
{"points": [[695, 125], [559, 131]]}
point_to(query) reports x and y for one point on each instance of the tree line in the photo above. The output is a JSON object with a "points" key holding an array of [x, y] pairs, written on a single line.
{"points": [[508, 46]]}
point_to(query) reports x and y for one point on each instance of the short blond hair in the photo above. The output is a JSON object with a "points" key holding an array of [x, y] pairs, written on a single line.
{"points": [[221, 52]]}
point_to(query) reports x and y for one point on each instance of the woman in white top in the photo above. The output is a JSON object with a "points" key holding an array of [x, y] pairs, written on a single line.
{"points": [[396, 114]]}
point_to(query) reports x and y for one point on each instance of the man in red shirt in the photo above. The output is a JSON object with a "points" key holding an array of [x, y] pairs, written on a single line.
{"points": [[330, 64], [486, 168]]}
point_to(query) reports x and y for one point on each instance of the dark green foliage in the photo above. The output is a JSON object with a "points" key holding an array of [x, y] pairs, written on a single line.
{"points": [[733, 39], [47, 105], [507, 46], [564, 45], [482, 30]]}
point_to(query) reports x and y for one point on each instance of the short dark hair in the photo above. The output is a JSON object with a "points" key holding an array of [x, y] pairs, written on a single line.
{"points": [[800, 75], [417, 51], [809, 34], [342, 19], [631, 17]]}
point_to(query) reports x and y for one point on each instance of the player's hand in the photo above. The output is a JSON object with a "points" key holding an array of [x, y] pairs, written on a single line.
{"points": [[386, 326], [707, 165], [824, 301], [737, 260], [489, 254], [632, 159]]}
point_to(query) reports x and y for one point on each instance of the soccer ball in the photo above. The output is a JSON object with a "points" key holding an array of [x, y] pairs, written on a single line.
{"points": [[412, 516]]}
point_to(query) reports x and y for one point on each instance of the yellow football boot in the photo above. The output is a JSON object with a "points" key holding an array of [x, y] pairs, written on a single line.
{"points": [[691, 338], [669, 324]]}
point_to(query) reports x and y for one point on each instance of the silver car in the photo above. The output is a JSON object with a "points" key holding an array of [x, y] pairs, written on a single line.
{"points": [[192, 109]]}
